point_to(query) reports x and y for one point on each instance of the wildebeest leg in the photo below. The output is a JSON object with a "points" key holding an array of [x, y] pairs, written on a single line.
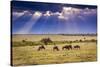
{"points": [[68, 48], [62, 48], [38, 49], [44, 48], [71, 48], [78, 47], [53, 49], [57, 49]]}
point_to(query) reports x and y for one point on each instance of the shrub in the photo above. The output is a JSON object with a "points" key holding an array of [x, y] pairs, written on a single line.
{"points": [[46, 41], [93, 40]]}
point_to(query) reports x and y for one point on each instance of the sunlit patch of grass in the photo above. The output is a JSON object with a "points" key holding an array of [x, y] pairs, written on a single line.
{"points": [[27, 55]]}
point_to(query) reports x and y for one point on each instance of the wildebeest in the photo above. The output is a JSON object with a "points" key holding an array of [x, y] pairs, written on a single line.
{"points": [[55, 48], [77, 47], [68, 47], [41, 47]]}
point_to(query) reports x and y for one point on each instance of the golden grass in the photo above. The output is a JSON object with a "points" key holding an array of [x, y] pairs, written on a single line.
{"points": [[28, 55], [52, 37]]}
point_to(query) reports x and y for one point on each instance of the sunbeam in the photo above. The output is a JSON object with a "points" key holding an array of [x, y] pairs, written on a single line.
{"points": [[55, 19], [27, 27]]}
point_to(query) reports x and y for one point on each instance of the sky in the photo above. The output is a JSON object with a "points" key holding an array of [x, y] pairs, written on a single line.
{"points": [[53, 18]]}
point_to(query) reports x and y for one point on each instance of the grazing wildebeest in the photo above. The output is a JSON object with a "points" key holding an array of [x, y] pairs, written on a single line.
{"points": [[41, 47], [68, 47], [55, 48], [77, 47]]}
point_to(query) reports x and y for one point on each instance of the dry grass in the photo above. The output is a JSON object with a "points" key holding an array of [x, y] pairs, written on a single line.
{"points": [[52, 37], [28, 55]]}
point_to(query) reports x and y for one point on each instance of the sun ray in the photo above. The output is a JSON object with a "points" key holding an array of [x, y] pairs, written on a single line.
{"points": [[27, 27]]}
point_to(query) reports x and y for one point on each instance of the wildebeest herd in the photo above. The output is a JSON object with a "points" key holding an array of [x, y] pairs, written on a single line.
{"points": [[56, 48]]}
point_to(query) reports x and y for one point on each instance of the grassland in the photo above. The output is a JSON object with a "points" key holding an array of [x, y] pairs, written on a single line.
{"points": [[29, 37], [27, 54]]}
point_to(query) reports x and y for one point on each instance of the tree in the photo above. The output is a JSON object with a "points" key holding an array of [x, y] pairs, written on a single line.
{"points": [[23, 41], [80, 40], [46, 41], [93, 40]]}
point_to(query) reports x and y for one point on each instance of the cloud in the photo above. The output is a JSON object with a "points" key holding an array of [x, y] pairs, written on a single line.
{"points": [[72, 13], [17, 15], [88, 11], [66, 13], [48, 13], [57, 13], [37, 13], [61, 17]]}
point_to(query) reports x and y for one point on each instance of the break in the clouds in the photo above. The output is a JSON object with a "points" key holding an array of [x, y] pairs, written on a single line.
{"points": [[50, 18]]}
